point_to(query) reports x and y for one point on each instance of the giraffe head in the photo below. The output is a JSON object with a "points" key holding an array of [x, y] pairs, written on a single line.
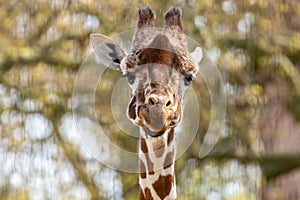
{"points": [[159, 69]]}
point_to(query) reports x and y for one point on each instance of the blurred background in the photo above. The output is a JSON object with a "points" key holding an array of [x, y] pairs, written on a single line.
{"points": [[256, 46]]}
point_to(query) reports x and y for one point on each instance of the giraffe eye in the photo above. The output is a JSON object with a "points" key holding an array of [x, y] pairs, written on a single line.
{"points": [[187, 80]]}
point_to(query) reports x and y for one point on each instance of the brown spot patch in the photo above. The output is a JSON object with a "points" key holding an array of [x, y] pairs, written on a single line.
{"points": [[140, 95], [131, 108], [169, 159], [149, 164], [163, 185], [171, 136], [160, 51], [148, 194], [142, 197], [158, 56], [144, 114], [144, 147], [143, 173]]}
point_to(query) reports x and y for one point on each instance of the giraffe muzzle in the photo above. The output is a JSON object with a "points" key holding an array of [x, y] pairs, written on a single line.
{"points": [[158, 118]]}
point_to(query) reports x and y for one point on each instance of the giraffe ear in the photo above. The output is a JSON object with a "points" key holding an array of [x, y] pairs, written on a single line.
{"points": [[108, 51]]}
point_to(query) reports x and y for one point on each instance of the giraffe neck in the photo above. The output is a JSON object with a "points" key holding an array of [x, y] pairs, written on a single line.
{"points": [[157, 176]]}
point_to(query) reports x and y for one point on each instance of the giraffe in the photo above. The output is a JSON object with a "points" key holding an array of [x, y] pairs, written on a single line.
{"points": [[159, 69]]}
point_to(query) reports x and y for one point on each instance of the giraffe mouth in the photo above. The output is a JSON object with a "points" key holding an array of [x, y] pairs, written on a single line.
{"points": [[154, 134], [156, 120]]}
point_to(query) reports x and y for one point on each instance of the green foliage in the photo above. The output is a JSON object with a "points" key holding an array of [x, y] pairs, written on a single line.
{"points": [[255, 45]]}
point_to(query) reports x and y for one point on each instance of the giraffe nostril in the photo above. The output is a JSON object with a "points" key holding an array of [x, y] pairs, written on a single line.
{"points": [[151, 101], [168, 103]]}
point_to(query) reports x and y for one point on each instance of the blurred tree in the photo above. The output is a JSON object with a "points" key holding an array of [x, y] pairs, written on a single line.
{"points": [[255, 45]]}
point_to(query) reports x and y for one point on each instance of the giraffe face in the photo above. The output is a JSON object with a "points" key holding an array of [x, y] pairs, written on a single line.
{"points": [[159, 69], [156, 97], [157, 87]]}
